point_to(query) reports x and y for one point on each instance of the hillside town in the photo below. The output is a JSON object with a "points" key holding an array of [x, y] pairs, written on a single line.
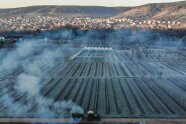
{"points": [[43, 23]]}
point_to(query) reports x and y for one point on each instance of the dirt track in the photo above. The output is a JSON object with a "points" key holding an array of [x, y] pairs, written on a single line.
{"points": [[105, 121]]}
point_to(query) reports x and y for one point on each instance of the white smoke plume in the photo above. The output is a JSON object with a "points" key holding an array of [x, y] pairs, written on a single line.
{"points": [[29, 56], [28, 84]]}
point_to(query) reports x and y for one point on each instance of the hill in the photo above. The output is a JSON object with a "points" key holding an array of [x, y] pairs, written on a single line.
{"points": [[162, 11], [166, 11], [66, 11], [175, 11]]}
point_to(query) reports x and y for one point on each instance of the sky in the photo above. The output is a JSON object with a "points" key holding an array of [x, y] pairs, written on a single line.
{"points": [[23, 3]]}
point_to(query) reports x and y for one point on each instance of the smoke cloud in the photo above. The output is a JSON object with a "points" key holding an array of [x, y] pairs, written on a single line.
{"points": [[30, 56], [28, 84]]}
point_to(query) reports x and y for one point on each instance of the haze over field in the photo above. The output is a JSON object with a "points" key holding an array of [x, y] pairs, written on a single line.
{"points": [[93, 63]]}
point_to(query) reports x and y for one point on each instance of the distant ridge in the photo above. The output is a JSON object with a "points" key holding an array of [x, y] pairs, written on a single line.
{"points": [[66, 11], [165, 11]]}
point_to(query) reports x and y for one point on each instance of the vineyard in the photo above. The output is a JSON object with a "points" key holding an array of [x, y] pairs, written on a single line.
{"points": [[113, 83]]}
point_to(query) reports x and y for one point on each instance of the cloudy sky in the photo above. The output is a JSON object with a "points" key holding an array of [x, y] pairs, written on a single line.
{"points": [[21, 3]]}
